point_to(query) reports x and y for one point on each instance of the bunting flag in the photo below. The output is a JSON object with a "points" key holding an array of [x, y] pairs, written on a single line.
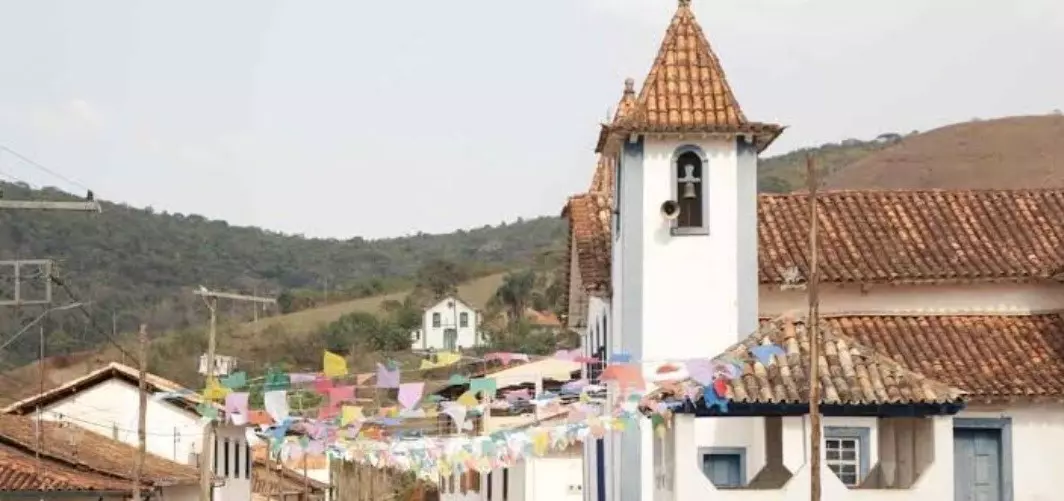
{"points": [[214, 391], [334, 365]]}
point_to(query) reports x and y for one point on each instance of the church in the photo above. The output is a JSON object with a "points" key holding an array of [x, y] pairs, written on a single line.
{"points": [[941, 338]]}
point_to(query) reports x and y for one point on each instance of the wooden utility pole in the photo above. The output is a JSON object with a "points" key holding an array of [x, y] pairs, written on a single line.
{"points": [[206, 451], [812, 325], [142, 410]]}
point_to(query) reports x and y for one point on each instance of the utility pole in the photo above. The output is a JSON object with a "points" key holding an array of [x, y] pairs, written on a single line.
{"points": [[210, 298], [89, 205], [142, 412], [813, 328]]}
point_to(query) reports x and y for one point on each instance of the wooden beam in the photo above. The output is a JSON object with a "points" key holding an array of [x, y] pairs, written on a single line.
{"points": [[87, 206]]}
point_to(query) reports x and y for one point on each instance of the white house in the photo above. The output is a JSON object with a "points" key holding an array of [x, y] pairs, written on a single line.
{"points": [[448, 325], [48, 460], [105, 402], [556, 476], [674, 256]]}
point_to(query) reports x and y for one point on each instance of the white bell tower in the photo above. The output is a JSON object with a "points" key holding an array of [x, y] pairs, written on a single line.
{"points": [[685, 254]]}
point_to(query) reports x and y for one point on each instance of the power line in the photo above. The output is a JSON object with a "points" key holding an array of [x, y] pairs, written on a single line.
{"points": [[91, 319], [36, 164]]}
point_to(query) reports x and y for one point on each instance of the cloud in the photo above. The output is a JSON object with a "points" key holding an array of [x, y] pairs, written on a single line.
{"points": [[74, 119]]}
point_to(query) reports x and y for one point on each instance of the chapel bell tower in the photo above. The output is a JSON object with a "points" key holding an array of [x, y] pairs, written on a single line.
{"points": [[685, 248]]}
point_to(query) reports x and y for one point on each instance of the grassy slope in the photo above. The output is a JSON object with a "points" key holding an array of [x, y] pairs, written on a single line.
{"points": [[249, 341]]}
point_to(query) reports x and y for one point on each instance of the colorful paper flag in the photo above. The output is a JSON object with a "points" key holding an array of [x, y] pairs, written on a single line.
{"points": [[351, 414], [334, 365], [387, 378], [410, 393], [214, 391]]}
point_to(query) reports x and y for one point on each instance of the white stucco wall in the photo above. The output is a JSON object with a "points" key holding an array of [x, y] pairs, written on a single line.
{"points": [[985, 299], [689, 434], [548, 478], [433, 337], [1037, 437], [110, 409]]}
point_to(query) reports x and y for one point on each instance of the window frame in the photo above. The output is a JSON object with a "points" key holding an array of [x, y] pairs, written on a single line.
{"points": [[463, 319], [437, 320], [861, 438], [703, 185], [738, 452]]}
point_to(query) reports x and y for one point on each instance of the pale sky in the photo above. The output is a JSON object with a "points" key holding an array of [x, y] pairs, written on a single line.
{"points": [[372, 118]]}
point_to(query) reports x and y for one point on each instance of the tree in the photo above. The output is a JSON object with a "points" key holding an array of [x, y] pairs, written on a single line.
{"points": [[366, 331], [441, 277], [516, 292]]}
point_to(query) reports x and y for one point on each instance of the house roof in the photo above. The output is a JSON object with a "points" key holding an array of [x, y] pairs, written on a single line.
{"points": [[994, 358], [895, 237], [266, 473], [113, 370], [452, 298], [686, 89], [589, 218], [916, 236], [542, 318], [87, 450], [20, 470], [851, 373]]}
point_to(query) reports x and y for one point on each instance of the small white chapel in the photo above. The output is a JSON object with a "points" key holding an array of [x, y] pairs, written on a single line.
{"points": [[942, 341]]}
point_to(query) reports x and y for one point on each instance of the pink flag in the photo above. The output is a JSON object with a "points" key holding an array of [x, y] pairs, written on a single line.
{"points": [[237, 403], [387, 378], [410, 393]]}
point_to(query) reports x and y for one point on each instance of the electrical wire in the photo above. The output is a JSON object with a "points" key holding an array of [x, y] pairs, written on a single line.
{"points": [[36, 164], [92, 321]]}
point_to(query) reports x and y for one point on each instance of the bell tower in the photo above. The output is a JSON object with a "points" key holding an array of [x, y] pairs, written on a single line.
{"points": [[685, 253]]}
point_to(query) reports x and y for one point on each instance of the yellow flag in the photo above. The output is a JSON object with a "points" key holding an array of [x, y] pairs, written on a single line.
{"points": [[214, 391], [443, 359], [349, 414], [334, 365], [540, 443], [468, 400]]}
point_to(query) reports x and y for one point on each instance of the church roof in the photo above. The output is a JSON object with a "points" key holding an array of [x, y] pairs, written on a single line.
{"points": [[995, 358], [894, 236], [686, 90]]}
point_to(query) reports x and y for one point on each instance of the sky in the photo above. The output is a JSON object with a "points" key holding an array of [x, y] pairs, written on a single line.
{"points": [[343, 118]]}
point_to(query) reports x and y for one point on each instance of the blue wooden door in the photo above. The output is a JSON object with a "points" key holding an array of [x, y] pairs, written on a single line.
{"points": [[977, 464]]}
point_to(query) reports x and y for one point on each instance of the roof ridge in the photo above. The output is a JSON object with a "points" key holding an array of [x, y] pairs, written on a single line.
{"points": [[879, 191]]}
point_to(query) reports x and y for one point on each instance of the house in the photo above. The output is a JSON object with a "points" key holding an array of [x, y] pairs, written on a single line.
{"points": [[674, 256], [449, 325], [273, 479], [105, 402], [68, 462], [554, 476]]}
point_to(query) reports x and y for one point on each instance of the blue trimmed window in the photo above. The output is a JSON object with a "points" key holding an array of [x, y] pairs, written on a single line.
{"points": [[846, 453], [724, 466]]}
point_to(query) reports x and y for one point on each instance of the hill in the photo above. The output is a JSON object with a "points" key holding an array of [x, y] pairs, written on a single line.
{"points": [[138, 265], [285, 339], [1012, 152]]}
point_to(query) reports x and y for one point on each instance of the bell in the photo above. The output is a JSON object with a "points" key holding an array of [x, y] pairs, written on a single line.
{"points": [[689, 191]]}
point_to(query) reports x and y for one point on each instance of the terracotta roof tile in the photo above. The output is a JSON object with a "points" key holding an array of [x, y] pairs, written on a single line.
{"points": [[916, 236], [991, 357], [851, 373], [19, 472], [886, 236], [86, 449], [686, 89], [589, 225]]}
